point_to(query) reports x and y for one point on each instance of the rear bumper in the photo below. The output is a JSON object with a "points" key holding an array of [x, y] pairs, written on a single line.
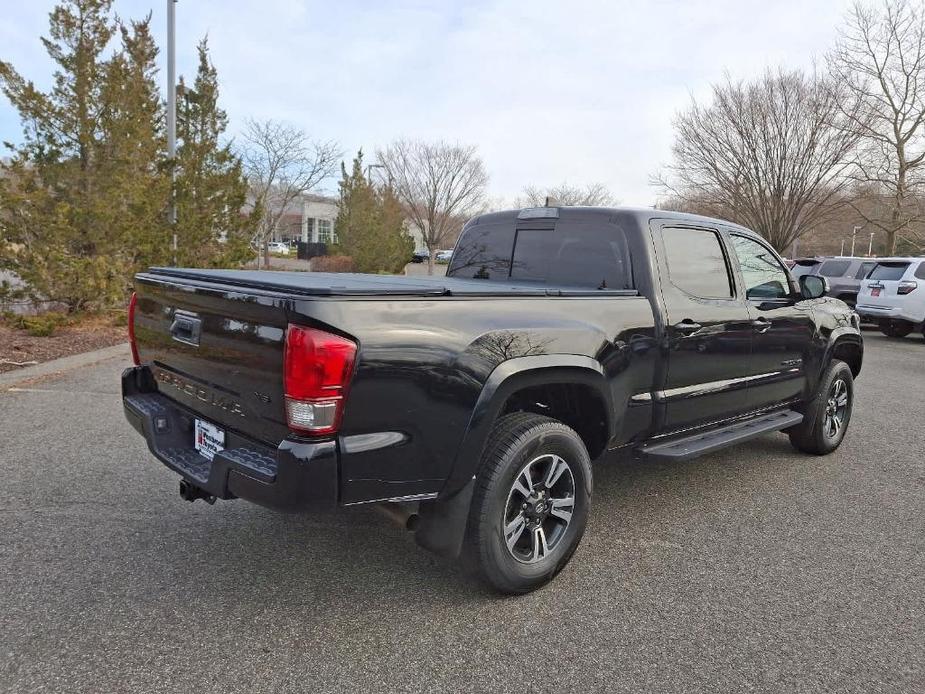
{"points": [[295, 476], [892, 312]]}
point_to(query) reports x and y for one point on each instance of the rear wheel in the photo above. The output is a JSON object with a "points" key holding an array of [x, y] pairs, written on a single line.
{"points": [[895, 328], [531, 502], [827, 414]]}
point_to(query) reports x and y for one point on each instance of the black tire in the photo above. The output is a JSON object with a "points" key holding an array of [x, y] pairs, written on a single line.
{"points": [[815, 433], [524, 442], [895, 328]]}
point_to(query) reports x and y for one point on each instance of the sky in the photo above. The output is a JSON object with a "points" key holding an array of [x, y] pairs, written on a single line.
{"points": [[571, 91]]}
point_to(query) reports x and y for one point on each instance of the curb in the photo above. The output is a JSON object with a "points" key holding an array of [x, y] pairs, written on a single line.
{"points": [[55, 366]]}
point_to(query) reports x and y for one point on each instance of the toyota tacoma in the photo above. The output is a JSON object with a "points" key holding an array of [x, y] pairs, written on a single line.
{"points": [[475, 403]]}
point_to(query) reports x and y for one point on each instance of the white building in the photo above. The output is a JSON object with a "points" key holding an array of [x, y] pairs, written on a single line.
{"points": [[311, 220]]}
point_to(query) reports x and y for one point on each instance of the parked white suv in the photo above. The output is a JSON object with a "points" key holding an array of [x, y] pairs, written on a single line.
{"points": [[893, 295]]}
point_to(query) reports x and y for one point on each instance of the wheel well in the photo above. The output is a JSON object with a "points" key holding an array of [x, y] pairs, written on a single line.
{"points": [[850, 353], [574, 404]]}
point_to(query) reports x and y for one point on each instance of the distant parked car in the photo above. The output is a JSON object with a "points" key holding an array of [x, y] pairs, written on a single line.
{"points": [[420, 256], [843, 273], [893, 295], [443, 256], [279, 247]]}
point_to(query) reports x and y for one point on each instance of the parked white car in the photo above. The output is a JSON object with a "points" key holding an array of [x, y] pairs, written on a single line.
{"points": [[443, 256], [893, 295], [279, 247]]}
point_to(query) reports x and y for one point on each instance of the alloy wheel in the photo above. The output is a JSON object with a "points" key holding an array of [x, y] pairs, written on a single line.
{"points": [[836, 409], [539, 508]]}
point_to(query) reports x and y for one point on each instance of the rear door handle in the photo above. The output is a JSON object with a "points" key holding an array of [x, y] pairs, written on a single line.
{"points": [[761, 325], [687, 326]]}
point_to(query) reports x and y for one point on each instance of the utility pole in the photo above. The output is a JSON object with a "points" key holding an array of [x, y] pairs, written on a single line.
{"points": [[854, 234], [172, 114]]}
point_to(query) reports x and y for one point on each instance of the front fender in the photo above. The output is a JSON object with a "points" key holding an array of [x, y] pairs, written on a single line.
{"points": [[842, 336]]}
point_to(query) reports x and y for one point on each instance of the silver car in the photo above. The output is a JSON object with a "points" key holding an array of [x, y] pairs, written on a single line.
{"points": [[844, 273]]}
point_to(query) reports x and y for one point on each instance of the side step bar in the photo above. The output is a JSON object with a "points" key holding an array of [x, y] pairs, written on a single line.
{"points": [[708, 441]]}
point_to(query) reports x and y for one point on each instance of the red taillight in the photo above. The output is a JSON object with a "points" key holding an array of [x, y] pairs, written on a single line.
{"points": [[131, 328], [317, 367], [906, 287]]}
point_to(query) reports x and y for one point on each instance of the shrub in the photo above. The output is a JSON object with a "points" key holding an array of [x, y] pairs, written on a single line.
{"points": [[332, 263], [42, 325]]}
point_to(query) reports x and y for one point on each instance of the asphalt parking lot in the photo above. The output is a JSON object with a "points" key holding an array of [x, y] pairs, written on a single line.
{"points": [[755, 569]]}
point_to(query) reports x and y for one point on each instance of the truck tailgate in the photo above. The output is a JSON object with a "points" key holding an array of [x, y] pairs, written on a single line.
{"points": [[216, 351]]}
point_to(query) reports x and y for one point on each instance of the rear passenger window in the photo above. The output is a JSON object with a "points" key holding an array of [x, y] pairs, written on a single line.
{"points": [[920, 271], [696, 263], [864, 269], [834, 268], [575, 254]]}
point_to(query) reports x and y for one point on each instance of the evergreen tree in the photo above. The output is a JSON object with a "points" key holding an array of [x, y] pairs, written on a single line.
{"points": [[370, 224], [135, 185], [210, 188], [51, 193]]}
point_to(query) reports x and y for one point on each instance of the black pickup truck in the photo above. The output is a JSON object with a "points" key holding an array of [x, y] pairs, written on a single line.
{"points": [[474, 403]]}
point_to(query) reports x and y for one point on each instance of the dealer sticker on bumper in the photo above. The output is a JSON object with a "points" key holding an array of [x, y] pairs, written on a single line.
{"points": [[209, 439]]}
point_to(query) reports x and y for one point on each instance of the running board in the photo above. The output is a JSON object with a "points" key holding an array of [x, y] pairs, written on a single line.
{"points": [[708, 441]]}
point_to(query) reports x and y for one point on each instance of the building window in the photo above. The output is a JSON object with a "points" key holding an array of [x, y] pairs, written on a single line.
{"points": [[325, 233]]}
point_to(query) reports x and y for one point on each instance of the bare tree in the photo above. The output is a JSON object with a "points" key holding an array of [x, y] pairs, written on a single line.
{"points": [[565, 195], [768, 154], [880, 59], [281, 163], [438, 183]]}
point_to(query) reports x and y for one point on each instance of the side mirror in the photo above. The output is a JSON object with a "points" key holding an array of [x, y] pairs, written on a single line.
{"points": [[813, 286]]}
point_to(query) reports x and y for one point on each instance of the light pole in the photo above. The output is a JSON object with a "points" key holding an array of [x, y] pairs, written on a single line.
{"points": [[373, 166], [842, 252], [854, 234], [870, 246], [172, 114]]}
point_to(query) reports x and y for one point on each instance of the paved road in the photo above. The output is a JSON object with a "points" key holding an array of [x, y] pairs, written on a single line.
{"points": [[755, 569]]}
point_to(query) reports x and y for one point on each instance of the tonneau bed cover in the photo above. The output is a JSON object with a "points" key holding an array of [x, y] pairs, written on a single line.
{"points": [[353, 284]]}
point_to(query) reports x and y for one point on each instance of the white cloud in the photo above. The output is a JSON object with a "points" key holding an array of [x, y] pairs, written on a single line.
{"points": [[549, 91]]}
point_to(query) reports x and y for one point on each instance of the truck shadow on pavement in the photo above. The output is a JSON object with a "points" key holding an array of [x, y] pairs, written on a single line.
{"points": [[356, 556]]}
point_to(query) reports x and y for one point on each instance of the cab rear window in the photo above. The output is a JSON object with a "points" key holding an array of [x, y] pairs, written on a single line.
{"points": [[483, 252], [888, 271], [573, 254]]}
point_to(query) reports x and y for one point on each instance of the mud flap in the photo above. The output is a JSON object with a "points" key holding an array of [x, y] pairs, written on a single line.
{"points": [[442, 527]]}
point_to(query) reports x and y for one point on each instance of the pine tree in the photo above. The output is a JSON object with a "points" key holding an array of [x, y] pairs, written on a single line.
{"points": [[210, 185], [370, 224], [135, 185], [83, 203], [50, 195]]}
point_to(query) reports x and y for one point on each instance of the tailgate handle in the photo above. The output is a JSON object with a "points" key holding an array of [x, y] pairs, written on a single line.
{"points": [[186, 328]]}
